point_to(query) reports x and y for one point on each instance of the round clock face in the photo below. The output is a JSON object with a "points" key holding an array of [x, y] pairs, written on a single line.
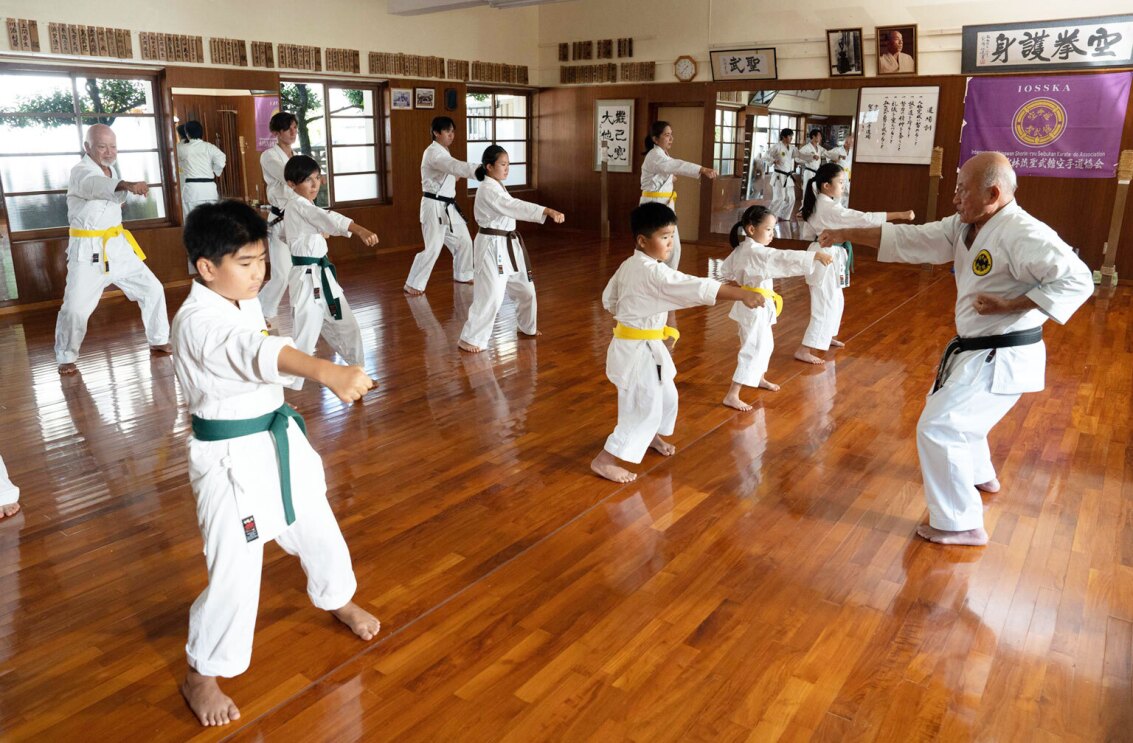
{"points": [[685, 69]]}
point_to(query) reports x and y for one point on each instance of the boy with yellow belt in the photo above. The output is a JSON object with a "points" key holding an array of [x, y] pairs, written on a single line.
{"points": [[639, 296]]}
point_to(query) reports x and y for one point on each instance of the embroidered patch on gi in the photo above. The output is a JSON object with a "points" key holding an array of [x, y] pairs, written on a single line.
{"points": [[250, 533], [981, 264]]}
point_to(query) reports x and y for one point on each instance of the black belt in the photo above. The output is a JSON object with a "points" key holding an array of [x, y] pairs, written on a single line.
{"points": [[511, 236], [278, 214], [783, 173], [813, 170], [200, 180], [447, 201], [983, 343]]}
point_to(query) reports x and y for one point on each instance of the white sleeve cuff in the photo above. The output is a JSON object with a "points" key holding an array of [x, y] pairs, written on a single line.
{"points": [[267, 359]]}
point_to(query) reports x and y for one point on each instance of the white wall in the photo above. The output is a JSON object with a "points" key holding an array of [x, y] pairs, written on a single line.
{"points": [[665, 29], [474, 34]]}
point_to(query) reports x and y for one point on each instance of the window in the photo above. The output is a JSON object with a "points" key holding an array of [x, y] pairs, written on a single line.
{"points": [[43, 119], [728, 137], [501, 118], [342, 127]]}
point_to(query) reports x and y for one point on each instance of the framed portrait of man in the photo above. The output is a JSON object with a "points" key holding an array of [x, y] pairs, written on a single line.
{"points": [[844, 49], [897, 50]]}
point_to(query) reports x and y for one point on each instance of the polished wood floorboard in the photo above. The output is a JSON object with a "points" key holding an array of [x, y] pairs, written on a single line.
{"points": [[762, 584]]}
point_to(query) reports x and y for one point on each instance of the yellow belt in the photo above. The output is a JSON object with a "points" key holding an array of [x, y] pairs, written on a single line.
{"points": [[769, 294], [626, 333], [107, 234], [670, 195]]}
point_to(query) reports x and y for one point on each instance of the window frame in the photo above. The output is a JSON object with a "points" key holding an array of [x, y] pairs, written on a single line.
{"points": [[380, 92], [529, 161], [737, 141], [156, 78]]}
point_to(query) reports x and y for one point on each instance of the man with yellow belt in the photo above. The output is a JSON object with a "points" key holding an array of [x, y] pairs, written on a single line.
{"points": [[641, 293], [101, 252]]}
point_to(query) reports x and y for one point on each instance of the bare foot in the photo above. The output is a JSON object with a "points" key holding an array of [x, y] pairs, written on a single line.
{"points": [[606, 465], [208, 702], [807, 357], [9, 509], [468, 347], [67, 370], [165, 349], [732, 400], [991, 486], [834, 343], [411, 291], [662, 447], [361, 622], [521, 334], [969, 538], [765, 385]]}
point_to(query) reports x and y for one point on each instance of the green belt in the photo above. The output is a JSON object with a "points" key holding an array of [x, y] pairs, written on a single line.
{"points": [[275, 423], [324, 263], [849, 256]]}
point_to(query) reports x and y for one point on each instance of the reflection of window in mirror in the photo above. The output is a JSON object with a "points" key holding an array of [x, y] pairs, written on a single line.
{"points": [[43, 119], [8, 290]]}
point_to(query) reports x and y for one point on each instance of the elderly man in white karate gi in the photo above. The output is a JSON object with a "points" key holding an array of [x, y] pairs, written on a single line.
{"points": [[101, 252], [199, 164], [1012, 273]]}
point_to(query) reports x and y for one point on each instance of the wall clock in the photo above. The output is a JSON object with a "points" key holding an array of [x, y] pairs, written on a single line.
{"points": [[684, 68]]}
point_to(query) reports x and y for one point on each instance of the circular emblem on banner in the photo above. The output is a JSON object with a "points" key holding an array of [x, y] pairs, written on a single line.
{"points": [[1039, 121], [981, 265]]}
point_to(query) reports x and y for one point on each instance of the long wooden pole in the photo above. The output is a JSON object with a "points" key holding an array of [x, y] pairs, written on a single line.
{"points": [[1109, 259], [244, 166], [604, 226], [935, 172]]}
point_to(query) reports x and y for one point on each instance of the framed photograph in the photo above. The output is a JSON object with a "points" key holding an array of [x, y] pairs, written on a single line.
{"points": [[744, 64], [844, 50], [896, 50], [426, 97], [401, 99], [613, 125]]}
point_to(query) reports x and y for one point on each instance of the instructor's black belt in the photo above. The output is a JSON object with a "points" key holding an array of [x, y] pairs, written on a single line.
{"points": [[786, 175], [200, 180], [512, 237], [447, 201], [983, 343], [278, 214]]}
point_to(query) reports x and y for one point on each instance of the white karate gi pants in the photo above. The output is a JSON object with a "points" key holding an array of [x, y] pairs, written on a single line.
{"points": [[952, 442], [826, 305], [9, 493], [85, 284], [488, 293], [453, 236], [757, 341], [222, 620], [646, 409], [782, 196], [195, 194], [312, 317], [279, 254]]}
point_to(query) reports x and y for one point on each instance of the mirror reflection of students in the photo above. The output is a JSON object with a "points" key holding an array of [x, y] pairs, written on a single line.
{"points": [[199, 164], [285, 127], [782, 156]]}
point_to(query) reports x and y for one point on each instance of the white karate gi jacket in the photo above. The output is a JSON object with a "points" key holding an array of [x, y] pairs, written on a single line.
{"points": [[227, 366], [439, 172], [200, 159], [640, 294], [305, 224], [782, 157], [756, 265], [93, 204], [810, 156], [832, 215], [272, 162], [1013, 254], [497, 209], [657, 172]]}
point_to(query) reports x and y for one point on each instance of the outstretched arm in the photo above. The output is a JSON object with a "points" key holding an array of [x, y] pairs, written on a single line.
{"points": [[349, 383]]}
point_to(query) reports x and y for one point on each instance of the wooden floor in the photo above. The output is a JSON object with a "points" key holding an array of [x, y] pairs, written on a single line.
{"points": [[763, 584]]}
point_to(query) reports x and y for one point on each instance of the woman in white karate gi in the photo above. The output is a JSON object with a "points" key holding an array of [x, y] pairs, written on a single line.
{"points": [[752, 264], [502, 263], [823, 210], [313, 307], [442, 223], [199, 164]]}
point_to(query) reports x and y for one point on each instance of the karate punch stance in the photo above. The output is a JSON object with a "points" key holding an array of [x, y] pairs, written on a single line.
{"points": [[101, 252], [254, 475], [1012, 273]]}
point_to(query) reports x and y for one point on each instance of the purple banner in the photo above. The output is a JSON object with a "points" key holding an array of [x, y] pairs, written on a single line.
{"points": [[266, 107], [1057, 126]]}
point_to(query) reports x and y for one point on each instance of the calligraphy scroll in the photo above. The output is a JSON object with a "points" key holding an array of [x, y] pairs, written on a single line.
{"points": [[613, 124], [897, 125]]}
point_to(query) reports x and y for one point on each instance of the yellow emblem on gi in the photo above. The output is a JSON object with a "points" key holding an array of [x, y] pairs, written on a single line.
{"points": [[1039, 121], [981, 265]]}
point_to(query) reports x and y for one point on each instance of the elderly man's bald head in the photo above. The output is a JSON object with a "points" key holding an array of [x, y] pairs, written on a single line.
{"points": [[985, 185], [101, 144]]}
